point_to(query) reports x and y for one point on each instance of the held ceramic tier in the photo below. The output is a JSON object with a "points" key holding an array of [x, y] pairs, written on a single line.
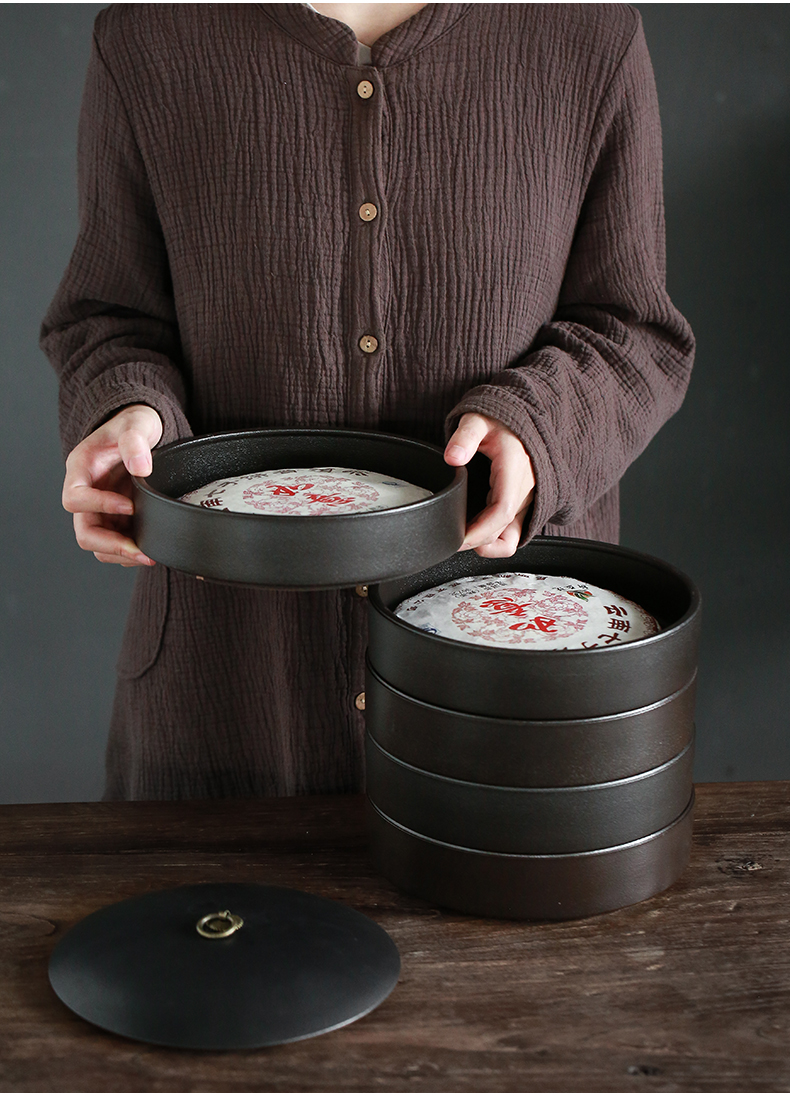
{"points": [[298, 551]]}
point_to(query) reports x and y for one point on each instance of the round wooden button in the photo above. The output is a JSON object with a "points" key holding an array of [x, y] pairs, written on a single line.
{"points": [[369, 344], [364, 89], [359, 701], [368, 211], [361, 590]]}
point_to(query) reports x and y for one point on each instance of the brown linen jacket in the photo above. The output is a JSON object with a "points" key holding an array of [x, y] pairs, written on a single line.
{"points": [[224, 276]]}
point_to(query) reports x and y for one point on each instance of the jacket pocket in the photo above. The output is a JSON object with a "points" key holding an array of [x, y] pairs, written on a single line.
{"points": [[145, 625]]}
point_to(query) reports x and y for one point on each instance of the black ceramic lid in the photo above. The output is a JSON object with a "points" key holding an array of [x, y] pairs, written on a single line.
{"points": [[224, 966]]}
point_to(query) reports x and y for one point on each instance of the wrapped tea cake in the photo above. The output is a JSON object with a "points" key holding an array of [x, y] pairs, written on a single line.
{"points": [[527, 611], [327, 490]]}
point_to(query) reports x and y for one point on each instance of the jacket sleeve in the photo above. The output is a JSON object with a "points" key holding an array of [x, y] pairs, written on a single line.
{"points": [[614, 362], [111, 331]]}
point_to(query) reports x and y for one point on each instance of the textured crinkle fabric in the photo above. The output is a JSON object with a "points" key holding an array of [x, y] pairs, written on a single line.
{"points": [[224, 274]]}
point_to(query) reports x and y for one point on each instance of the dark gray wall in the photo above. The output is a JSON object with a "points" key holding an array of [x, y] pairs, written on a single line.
{"points": [[711, 494], [61, 612]]}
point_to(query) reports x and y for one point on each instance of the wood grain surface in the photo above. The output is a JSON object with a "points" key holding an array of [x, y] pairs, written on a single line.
{"points": [[689, 991]]}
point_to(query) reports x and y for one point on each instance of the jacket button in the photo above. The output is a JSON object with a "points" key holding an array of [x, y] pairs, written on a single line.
{"points": [[369, 344], [367, 211], [359, 701], [361, 590], [364, 89]]}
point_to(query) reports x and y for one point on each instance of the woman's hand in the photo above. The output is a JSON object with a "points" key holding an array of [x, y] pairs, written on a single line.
{"points": [[496, 531], [98, 487]]}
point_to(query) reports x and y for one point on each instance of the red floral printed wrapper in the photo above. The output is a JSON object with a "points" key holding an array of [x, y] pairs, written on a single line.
{"points": [[328, 490], [526, 611]]}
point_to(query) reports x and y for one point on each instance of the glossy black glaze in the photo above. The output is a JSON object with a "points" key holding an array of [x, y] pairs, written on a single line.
{"points": [[530, 887], [528, 820], [300, 966], [505, 752], [496, 682], [305, 552]]}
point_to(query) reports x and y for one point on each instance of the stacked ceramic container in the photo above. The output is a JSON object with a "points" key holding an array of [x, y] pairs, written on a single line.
{"points": [[534, 784]]}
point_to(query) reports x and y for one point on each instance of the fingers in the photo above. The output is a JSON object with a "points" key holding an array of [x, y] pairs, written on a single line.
{"points": [[506, 543], [466, 439], [124, 562], [107, 545], [97, 485], [101, 460], [87, 466], [494, 536], [81, 498], [506, 501], [496, 531]]}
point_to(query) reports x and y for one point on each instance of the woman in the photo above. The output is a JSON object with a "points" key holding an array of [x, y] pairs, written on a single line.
{"points": [[459, 237]]}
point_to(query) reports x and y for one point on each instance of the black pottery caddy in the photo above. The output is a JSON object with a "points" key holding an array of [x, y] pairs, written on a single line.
{"points": [[545, 784], [523, 785]]}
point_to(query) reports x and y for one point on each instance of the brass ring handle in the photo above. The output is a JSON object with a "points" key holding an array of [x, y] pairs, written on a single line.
{"points": [[218, 925]]}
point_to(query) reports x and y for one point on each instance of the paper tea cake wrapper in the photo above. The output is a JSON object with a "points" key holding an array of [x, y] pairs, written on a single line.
{"points": [[526, 611], [328, 490]]}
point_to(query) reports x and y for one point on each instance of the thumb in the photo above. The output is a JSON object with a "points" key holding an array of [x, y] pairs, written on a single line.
{"points": [[135, 453], [141, 431], [466, 439]]}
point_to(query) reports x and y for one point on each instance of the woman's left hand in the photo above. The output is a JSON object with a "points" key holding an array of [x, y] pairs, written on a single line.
{"points": [[496, 531]]}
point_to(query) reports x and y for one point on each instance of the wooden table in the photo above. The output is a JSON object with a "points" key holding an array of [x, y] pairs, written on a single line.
{"points": [[689, 991]]}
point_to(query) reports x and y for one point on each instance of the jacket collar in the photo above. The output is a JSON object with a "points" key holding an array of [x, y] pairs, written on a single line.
{"points": [[336, 41]]}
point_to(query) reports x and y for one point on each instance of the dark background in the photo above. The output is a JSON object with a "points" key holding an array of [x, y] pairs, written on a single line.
{"points": [[711, 494]]}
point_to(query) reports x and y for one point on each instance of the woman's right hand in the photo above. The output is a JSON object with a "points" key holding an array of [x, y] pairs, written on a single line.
{"points": [[98, 485]]}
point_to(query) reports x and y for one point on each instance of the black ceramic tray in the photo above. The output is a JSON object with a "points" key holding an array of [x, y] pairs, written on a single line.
{"points": [[541, 686], [505, 752], [528, 820], [531, 887], [302, 552], [224, 965]]}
